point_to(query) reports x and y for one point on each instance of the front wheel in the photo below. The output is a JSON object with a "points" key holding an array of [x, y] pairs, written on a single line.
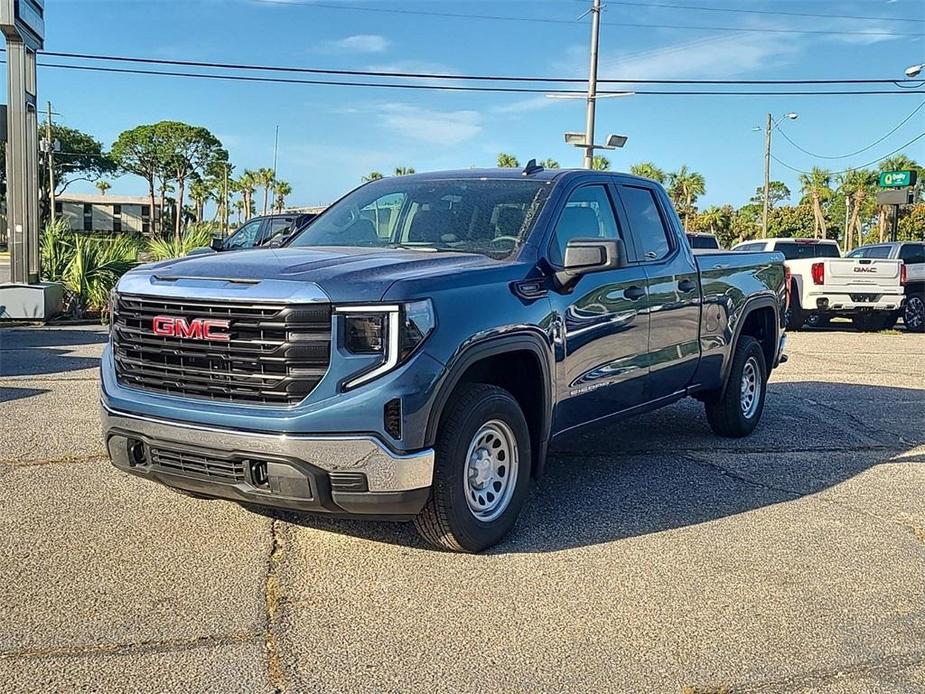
{"points": [[734, 412], [482, 470], [914, 313]]}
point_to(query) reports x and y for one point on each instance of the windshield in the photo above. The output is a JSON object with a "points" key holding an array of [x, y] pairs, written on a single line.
{"points": [[489, 217]]}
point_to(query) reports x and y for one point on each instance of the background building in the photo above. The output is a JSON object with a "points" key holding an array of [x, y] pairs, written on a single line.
{"points": [[107, 213]]}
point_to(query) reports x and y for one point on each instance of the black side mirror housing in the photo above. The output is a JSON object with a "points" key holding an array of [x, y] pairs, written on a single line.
{"points": [[584, 256], [217, 243]]}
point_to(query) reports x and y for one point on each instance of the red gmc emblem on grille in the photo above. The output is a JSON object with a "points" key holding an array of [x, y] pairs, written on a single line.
{"points": [[196, 329]]}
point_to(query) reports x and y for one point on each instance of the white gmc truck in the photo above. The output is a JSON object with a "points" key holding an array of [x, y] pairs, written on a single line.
{"points": [[824, 285]]}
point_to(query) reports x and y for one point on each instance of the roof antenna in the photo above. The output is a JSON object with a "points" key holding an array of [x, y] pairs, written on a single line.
{"points": [[531, 168]]}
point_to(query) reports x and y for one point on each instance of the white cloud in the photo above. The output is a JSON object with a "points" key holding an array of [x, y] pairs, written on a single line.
{"points": [[359, 43], [429, 125]]}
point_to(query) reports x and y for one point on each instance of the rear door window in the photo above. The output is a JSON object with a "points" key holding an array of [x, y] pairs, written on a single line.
{"points": [[646, 223]]}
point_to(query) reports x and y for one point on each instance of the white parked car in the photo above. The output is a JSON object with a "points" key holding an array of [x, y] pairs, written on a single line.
{"points": [[912, 254], [825, 285]]}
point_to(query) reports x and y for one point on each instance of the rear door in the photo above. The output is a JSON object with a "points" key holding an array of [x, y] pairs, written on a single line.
{"points": [[673, 286], [605, 326]]}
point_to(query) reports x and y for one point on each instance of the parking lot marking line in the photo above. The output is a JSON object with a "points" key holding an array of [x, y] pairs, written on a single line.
{"points": [[137, 648]]}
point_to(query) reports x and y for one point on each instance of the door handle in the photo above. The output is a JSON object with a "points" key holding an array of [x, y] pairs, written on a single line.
{"points": [[686, 285], [634, 292]]}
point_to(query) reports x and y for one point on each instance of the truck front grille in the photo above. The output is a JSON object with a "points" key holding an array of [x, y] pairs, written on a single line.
{"points": [[188, 464], [274, 355]]}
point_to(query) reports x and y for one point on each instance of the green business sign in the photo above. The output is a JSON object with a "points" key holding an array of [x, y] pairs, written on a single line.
{"points": [[897, 179]]}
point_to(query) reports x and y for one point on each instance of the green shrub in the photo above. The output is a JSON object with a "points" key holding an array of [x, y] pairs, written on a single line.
{"points": [[195, 236], [88, 265]]}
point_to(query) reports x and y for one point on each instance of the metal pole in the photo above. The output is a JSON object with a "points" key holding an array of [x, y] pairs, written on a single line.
{"points": [[275, 150], [51, 166], [767, 178], [592, 84], [895, 230], [225, 206], [847, 230]]}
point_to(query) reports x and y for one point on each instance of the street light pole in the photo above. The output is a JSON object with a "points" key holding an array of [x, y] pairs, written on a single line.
{"points": [[592, 84], [51, 166], [767, 177]]}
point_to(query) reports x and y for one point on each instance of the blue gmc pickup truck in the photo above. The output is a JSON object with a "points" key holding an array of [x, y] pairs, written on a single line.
{"points": [[413, 353]]}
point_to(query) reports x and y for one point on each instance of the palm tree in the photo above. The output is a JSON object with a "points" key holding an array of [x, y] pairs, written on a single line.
{"points": [[684, 186], [507, 161], [281, 190], [856, 185], [404, 170], [103, 186], [816, 186], [549, 164], [372, 176], [239, 209], [200, 193], [246, 184], [600, 163], [265, 179], [647, 169]]}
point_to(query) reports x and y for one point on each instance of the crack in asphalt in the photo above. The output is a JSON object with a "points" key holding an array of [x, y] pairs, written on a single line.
{"points": [[133, 648], [273, 602], [55, 461], [815, 678]]}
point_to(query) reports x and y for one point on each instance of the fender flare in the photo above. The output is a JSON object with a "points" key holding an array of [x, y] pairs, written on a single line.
{"points": [[750, 306], [490, 347]]}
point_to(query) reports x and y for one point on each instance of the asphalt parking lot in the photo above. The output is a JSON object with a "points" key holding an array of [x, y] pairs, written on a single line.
{"points": [[652, 557]]}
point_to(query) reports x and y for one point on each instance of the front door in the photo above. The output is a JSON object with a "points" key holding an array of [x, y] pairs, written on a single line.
{"points": [[673, 285], [603, 323]]}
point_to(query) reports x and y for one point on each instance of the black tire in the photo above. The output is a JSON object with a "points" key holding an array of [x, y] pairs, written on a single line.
{"points": [[724, 409], [795, 316], [914, 313], [446, 521], [817, 320], [870, 323]]}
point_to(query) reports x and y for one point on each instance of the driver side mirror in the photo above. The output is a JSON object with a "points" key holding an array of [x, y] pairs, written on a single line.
{"points": [[584, 256], [217, 243]]}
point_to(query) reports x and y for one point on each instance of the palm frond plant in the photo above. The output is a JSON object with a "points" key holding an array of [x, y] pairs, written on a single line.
{"points": [[93, 270], [195, 236], [56, 248]]}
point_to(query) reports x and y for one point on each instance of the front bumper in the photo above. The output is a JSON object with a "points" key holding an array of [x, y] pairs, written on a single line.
{"points": [[347, 475]]}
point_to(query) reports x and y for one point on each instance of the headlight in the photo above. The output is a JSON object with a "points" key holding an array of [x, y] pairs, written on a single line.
{"points": [[392, 331]]}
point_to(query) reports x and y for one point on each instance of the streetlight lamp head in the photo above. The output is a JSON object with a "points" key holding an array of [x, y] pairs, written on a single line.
{"points": [[914, 70], [616, 140], [577, 139], [792, 116]]}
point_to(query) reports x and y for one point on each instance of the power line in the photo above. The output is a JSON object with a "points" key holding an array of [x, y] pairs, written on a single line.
{"points": [[870, 146], [860, 166], [440, 76], [778, 13], [461, 88], [571, 22]]}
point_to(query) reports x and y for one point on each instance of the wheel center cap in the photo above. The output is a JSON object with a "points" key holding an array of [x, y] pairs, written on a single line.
{"points": [[480, 469]]}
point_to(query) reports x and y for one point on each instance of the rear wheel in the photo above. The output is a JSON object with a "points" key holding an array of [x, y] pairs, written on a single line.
{"points": [[795, 316], [914, 313], [482, 470], [735, 411]]}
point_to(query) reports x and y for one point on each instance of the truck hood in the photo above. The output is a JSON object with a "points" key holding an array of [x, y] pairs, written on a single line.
{"points": [[345, 274]]}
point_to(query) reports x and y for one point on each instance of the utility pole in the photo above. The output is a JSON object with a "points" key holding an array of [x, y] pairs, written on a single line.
{"points": [[50, 155], [847, 221], [275, 149], [592, 84], [225, 203], [767, 177]]}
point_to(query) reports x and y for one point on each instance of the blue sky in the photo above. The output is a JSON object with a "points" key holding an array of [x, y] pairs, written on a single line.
{"points": [[331, 136]]}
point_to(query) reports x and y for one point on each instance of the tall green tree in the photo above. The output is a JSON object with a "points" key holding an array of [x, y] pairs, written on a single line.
{"points": [[265, 179], [549, 164], [103, 186], [600, 163], [372, 176], [281, 190], [200, 192], [685, 187], [647, 169], [898, 162], [190, 150], [507, 161], [857, 187], [246, 184], [140, 151], [777, 193], [817, 189], [404, 170]]}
